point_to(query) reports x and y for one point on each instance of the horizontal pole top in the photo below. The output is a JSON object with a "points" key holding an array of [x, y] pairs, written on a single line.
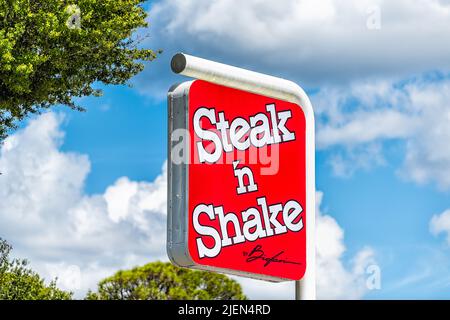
{"points": [[242, 79]]}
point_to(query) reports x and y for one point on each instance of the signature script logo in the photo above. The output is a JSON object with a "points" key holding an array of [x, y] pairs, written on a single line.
{"points": [[257, 253]]}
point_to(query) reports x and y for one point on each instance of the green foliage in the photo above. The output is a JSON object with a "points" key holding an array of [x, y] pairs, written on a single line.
{"points": [[18, 282], [54, 50], [160, 281]]}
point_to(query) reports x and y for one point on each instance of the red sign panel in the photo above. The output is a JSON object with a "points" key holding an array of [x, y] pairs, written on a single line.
{"points": [[245, 184]]}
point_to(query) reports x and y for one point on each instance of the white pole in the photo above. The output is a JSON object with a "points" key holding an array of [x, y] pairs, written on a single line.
{"points": [[282, 89]]}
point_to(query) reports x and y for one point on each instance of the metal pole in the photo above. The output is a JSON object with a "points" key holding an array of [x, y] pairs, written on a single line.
{"points": [[298, 289], [282, 89]]}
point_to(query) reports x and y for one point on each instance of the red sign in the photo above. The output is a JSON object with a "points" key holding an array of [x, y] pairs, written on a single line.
{"points": [[242, 208]]}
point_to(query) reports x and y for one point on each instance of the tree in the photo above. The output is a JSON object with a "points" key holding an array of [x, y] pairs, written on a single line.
{"points": [[18, 282], [52, 51], [161, 281]]}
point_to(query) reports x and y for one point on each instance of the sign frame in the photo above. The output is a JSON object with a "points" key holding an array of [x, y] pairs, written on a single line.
{"points": [[177, 227]]}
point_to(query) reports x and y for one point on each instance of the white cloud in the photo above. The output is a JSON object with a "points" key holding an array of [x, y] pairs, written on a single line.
{"points": [[67, 276], [83, 238], [364, 127], [428, 154], [307, 41], [366, 114], [45, 214], [441, 224], [353, 158], [334, 279]]}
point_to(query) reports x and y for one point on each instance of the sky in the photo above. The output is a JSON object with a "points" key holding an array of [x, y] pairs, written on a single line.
{"points": [[83, 195]]}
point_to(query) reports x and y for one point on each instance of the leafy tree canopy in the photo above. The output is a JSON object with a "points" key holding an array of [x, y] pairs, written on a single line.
{"points": [[54, 50], [18, 282], [162, 281]]}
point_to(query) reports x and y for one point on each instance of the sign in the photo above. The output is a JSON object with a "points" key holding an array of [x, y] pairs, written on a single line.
{"points": [[237, 182]]}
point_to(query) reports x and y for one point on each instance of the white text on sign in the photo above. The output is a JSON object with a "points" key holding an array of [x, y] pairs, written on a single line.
{"points": [[260, 130]]}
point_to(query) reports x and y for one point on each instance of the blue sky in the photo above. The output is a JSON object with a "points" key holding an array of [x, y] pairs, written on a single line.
{"points": [[381, 95], [129, 141]]}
